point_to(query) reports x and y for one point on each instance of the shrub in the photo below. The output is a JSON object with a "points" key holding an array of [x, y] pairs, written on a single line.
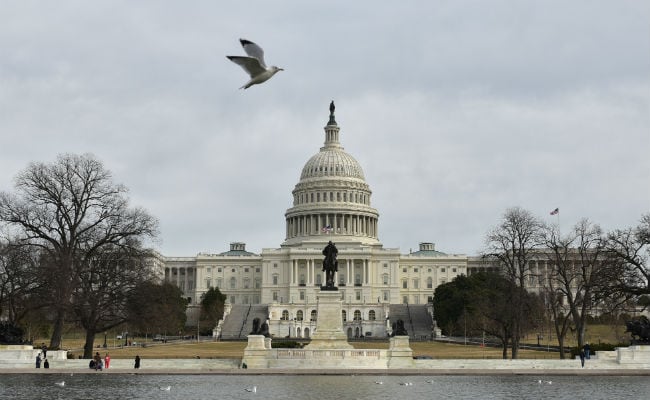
{"points": [[286, 345]]}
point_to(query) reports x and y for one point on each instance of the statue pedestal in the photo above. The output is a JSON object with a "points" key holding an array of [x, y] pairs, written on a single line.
{"points": [[329, 323], [400, 354], [636, 354], [257, 352]]}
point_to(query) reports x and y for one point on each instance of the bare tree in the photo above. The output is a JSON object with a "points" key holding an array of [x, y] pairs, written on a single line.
{"points": [[512, 244], [18, 281], [630, 249], [70, 211], [579, 270], [100, 301]]}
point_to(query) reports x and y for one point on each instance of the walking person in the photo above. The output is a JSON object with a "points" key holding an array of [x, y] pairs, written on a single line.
{"points": [[38, 360], [137, 362], [44, 350], [107, 361], [582, 357], [587, 351]]}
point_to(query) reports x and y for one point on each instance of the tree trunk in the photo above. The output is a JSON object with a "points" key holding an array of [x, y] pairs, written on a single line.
{"points": [[560, 342], [90, 341], [515, 348], [57, 330]]}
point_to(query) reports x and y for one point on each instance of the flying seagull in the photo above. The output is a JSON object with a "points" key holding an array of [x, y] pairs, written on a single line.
{"points": [[254, 64]]}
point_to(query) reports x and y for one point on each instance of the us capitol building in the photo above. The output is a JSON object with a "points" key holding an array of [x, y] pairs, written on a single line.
{"points": [[331, 202]]}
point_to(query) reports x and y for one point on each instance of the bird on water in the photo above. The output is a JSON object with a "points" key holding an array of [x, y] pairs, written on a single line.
{"points": [[254, 64]]}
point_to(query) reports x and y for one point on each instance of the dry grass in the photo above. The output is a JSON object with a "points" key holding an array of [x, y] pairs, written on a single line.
{"points": [[176, 350], [209, 349]]}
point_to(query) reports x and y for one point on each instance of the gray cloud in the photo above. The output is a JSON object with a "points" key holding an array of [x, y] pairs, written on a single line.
{"points": [[455, 109]]}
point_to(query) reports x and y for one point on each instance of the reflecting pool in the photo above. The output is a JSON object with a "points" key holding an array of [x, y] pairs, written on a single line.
{"points": [[114, 386]]}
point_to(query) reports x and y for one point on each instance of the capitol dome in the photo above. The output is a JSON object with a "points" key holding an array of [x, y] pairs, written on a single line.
{"points": [[332, 198], [332, 162]]}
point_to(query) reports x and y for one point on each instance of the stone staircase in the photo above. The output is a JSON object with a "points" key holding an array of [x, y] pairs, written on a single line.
{"points": [[421, 322], [417, 320], [239, 323]]}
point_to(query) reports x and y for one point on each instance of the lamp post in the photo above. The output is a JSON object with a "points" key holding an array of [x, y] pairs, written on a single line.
{"points": [[105, 345]]}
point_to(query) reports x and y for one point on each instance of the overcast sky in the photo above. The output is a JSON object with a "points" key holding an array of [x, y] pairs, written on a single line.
{"points": [[456, 110]]}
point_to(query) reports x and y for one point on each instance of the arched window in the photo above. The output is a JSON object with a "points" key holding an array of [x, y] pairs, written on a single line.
{"points": [[299, 316], [285, 315], [344, 315], [429, 283], [371, 315], [313, 315], [405, 284], [357, 315], [233, 283], [275, 279], [384, 278], [319, 279], [357, 279], [302, 279]]}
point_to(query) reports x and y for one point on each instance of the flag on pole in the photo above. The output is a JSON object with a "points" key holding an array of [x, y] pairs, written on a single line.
{"points": [[327, 229], [555, 212]]}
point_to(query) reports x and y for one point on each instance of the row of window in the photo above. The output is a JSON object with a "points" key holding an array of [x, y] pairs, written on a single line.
{"points": [[416, 269], [275, 279], [372, 316], [221, 269], [415, 283], [246, 283], [354, 197]]}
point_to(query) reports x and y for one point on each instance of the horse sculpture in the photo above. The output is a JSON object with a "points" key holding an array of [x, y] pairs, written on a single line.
{"points": [[260, 329], [639, 328], [10, 333], [399, 329]]}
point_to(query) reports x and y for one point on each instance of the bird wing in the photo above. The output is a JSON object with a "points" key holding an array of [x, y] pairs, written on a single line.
{"points": [[253, 50], [251, 65]]}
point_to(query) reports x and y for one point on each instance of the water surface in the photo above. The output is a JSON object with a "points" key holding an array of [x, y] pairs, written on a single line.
{"points": [[113, 386]]}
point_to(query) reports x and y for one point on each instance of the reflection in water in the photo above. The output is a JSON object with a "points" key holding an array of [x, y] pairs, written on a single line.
{"points": [[130, 386]]}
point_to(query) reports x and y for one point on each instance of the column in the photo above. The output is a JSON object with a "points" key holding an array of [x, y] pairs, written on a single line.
{"points": [[294, 272], [347, 272], [290, 273], [310, 272], [366, 271]]}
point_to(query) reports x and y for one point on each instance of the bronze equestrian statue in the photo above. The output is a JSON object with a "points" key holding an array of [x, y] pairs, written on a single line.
{"points": [[639, 328], [330, 265]]}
